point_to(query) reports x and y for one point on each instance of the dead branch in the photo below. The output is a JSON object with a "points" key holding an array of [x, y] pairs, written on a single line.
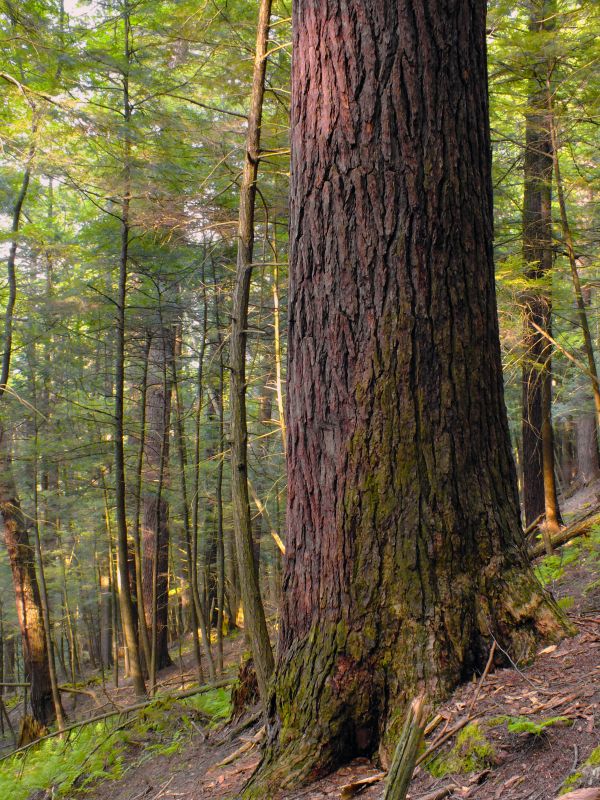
{"points": [[579, 528]]}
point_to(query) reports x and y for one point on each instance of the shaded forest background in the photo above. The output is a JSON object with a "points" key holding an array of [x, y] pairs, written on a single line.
{"points": [[99, 126]]}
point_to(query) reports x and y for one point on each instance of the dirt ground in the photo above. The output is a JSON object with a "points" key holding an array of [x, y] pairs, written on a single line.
{"points": [[564, 681]]}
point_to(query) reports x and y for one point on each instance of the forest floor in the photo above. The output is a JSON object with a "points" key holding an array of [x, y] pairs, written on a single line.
{"points": [[531, 731]]}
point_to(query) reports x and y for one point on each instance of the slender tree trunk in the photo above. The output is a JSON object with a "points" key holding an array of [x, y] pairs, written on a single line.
{"points": [[539, 481], [106, 620], [125, 599], [198, 618], [45, 607], [197, 454], [588, 467], [12, 277], [277, 339], [570, 247], [220, 530], [405, 554], [155, 507], [137, 538], [254, 615]]}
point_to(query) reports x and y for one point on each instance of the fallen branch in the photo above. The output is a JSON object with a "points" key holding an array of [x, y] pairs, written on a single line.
{"points": [[530, 528], [86, 692], [357, 787], [439, 794], [256, 739], [128, 710], [578, 528]]}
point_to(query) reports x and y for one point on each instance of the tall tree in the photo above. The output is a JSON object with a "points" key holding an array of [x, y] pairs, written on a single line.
{"points": [[539, 480], [155, 519], [404, 555], [128, 611], [254, 614], [30, 616]]}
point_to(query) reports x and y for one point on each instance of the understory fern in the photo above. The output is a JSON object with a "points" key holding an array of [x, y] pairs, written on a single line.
{"points": [[98, 750]]}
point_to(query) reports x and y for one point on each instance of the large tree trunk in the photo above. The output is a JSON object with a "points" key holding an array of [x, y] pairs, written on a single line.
{"points": [[405, 554], [539, 481], [155, 507], [27, 593]]}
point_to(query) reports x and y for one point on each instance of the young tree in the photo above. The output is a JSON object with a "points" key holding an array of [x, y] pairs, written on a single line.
{"points": [[539, 482], [404, 556], [155, 520], [254, 613]]}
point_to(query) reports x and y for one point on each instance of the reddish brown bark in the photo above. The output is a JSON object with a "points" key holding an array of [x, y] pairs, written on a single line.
{"points": [[27, 594], [404, 550]]}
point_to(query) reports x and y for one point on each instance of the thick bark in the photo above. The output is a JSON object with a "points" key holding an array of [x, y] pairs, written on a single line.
{"points": [[405, 553], [539, 482], [155, 507], [27, 594], [254, 615]]}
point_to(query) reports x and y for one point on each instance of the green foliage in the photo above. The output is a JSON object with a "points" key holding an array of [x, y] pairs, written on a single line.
{"points": [[99, 751], [68, 765], [529, 726], [471, 752], [215, 704], [551, 568], [565, 603]]}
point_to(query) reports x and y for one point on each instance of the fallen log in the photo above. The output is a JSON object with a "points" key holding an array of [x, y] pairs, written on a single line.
{"points": [[578, 528]]}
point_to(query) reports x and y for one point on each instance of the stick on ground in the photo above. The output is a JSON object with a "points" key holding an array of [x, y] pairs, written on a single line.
{"points": [[405, 756]]}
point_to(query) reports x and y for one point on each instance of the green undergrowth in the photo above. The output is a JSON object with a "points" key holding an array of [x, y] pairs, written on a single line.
{"points": [[566, 603], [552, 568], [471, 753], [99, 751], [530, 726]]}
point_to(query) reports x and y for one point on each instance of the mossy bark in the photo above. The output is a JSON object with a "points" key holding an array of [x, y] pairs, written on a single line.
{"points": [[404, 554]]}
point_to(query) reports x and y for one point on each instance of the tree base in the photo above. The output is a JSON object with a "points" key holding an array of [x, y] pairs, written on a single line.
{"points": [[335, 699]]}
